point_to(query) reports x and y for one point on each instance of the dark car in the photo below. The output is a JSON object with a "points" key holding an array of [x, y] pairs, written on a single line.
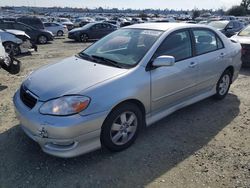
{"points": [[40, 36], [243, 37], [31, 21], [228, 28], [91, 31]]}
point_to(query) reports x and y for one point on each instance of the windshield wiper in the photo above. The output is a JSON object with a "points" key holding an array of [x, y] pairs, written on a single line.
{"points": [[85, 56], [109, 61]]}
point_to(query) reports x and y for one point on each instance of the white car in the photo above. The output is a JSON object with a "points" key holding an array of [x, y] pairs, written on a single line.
{"points": [[16, 42], [56, 28], [8, 63], [129, 79], [66, 22]]}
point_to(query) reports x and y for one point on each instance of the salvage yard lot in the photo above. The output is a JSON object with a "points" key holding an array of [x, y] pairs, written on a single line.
{"points": [[204, 145]]}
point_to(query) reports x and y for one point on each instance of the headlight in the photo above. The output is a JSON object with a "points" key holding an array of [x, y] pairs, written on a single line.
{"points": [[65, 106]]}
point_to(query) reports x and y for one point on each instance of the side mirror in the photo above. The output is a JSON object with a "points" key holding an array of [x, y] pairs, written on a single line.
{"points": [[164, 61]]}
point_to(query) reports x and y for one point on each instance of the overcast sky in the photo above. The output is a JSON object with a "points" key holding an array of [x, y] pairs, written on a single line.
{"points": [[134, 4]]}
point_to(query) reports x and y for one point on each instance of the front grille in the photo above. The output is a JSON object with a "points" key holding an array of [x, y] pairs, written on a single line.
{"points": [[27, 97]]}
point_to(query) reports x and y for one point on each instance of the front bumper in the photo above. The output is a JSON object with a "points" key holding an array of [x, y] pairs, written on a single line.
{"points": [[65, 136], [73, 36]]}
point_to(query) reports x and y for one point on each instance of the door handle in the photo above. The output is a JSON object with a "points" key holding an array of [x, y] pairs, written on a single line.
{"points": [[222, 55], [192, 64]]}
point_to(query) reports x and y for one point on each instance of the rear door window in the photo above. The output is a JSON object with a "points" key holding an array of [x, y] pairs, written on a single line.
{"points": [[206, 41]]}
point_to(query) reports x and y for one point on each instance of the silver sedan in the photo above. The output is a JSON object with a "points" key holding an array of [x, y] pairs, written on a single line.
{"points": [[129, 79]]}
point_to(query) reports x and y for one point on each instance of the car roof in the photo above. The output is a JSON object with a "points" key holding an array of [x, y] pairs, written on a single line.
{"points": [[21, 23], [164, 26]]}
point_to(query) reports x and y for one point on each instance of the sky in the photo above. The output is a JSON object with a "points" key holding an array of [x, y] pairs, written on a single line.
{"points": [[134, 4]]}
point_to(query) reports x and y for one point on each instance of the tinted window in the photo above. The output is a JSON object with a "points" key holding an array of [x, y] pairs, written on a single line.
{"points": [[206, 41], [5, 26], [177, 44], [20, 27]]}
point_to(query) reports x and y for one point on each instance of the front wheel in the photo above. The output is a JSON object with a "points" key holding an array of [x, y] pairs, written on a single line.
{"points": [[223, 85], [59, 33], [121, 127], [84, 37], [42, 39]]}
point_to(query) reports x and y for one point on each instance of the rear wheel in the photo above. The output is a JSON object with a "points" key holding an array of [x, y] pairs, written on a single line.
{"points": [[121, 127], [59, 33], [84, 38], [42, 39], [223, 85], [11, 48]]}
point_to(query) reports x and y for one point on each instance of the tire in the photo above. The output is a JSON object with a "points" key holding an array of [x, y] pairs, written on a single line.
{"points": [[11, 48], [42, 39], [121, 127], [84, 37], [59, 33], [223, 85]]}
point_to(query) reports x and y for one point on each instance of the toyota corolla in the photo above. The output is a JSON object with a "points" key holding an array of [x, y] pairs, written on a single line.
{"points": [[129, 79]]}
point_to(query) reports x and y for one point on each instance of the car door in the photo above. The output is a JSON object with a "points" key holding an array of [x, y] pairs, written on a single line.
{"points": [[53, 28], [174, 84], [26, 29], [210, 56], [107, 28], [95, 31]]}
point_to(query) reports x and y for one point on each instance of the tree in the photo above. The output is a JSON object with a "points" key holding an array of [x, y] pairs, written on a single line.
{"points": [[237, 11], [245, 4], [196, 13]]}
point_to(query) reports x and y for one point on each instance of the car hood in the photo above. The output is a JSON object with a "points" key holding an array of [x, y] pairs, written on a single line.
{"points": [[67, 23], [241, 39], [76, 29], [68, 77], [17, 32]]}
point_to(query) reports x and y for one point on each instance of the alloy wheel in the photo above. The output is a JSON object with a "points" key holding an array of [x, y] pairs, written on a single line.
{"points": [[123, 128]]}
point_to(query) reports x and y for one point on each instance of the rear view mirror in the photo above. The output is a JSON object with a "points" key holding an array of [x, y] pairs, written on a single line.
{"points": [[164, 61]]}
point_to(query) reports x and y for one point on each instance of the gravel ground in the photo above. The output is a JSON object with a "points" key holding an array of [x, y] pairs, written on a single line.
{"points": [[204, 145]]}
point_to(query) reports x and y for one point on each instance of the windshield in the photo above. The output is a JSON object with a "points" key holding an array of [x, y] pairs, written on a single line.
{"points": [[126, 47], [245, 32], [219, 24]]}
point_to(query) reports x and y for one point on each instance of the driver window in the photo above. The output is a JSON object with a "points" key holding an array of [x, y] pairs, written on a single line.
{"points": [[177, 44]]}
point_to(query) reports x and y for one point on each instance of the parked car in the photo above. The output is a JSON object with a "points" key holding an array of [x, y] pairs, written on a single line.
{"points": [[40, 36], [10, 42], [243, 37], [91, 31], [12, 46], [229, 28], [8, 62], [79, 22], [66, 22], [31, 21], [56, 28], [131, 78]]}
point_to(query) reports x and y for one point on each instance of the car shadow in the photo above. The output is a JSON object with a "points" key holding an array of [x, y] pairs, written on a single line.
{"points": [[3, 87], [157, 150], [245, 71]]}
